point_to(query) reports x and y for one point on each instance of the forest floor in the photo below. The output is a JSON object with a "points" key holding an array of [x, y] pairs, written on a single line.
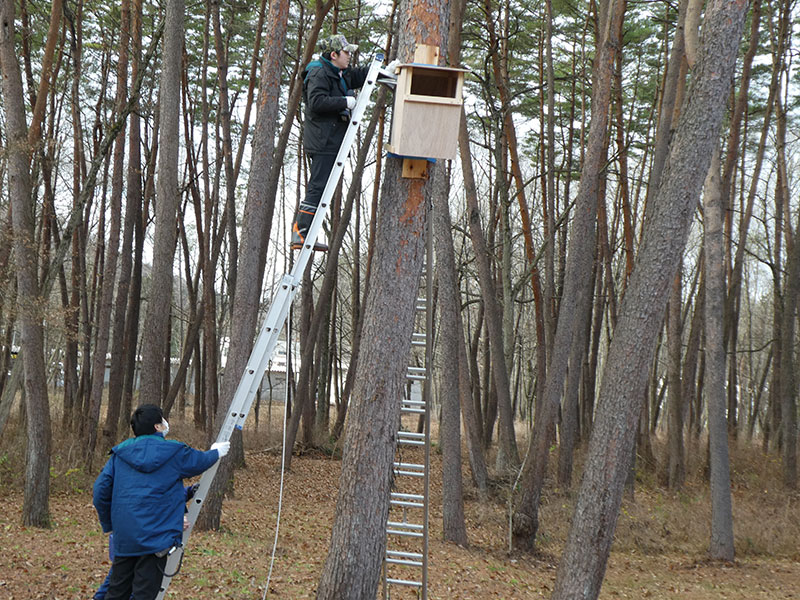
{"points": [[659, 550]]}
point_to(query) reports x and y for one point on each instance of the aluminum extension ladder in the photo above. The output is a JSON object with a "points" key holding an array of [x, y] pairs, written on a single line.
{"points": [[405, 563], [267, 339]]}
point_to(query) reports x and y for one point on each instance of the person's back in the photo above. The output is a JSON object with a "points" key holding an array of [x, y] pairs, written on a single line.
{"points": [[139, 496], [148, 493]]}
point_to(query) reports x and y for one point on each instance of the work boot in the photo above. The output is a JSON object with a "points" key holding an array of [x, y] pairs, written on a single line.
{"points": [[299, 238]]}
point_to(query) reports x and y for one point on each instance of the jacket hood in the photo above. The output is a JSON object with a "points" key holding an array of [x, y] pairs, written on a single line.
{"points": [[146, 453]]}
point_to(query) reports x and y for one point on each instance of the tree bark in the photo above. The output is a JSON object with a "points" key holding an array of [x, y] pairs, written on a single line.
{"points": [[676, 465], [721, 545], [453, 526], [35, 509], [358, 541], [155, 352], [578, 282], [585, 557], [253, 248]]}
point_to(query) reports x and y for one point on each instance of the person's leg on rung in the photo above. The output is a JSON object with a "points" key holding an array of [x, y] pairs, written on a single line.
{"points": [[321, 167]]}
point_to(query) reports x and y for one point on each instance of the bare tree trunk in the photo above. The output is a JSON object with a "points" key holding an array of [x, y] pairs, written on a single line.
{"points": [[253, 248], [507, 453], [358, 541], [155, 352], [721, 545], [585, 557], [35, 509], [454, 527], [578, 278], [112, 249], [676, 465], [131, 15]]}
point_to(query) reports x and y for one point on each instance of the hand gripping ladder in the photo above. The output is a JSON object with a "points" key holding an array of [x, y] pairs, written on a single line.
{"points": [[267, 339], [405, 564]]}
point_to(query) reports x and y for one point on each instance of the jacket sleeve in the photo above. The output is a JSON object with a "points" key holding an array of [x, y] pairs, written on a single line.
{"points": [[193, 462], [103, 488], [321, 98], [355, 77]]}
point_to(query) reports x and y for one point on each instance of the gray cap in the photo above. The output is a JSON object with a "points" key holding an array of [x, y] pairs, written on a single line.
{"points": [[336, 43]]}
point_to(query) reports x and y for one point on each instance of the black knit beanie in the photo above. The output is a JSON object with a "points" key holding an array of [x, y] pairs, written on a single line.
{"points": [[145, 418]]}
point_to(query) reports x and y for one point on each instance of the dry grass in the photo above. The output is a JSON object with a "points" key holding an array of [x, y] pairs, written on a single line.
{"points": [[659, 549]]}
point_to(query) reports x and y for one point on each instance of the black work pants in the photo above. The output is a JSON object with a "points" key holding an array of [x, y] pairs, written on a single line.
{"points": [[136, 577], [321, 167]]}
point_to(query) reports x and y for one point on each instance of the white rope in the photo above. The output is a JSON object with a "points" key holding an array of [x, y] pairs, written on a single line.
{"points": [[283, 458]]}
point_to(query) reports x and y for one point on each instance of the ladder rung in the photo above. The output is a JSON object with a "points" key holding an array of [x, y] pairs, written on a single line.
{"points": [[403, 582], [406, 504], [406, 525], [410, 469], [401, 554], [401, 496], [410, 439], [410, 442], [418, 468], [416, 377], [414, 534], [409, 473], [400, 561]]}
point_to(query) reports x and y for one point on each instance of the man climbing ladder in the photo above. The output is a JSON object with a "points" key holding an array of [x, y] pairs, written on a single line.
{"points": [[328, 85]]}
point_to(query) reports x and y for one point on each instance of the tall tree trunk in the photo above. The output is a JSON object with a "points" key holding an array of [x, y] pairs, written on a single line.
{"points": [[578, 277], [676, 465], [585, 557], [358, 541], [112, 248], [721, 545], [131, 22], [253, 248], [453, 526], [155, 334], [507, 453], [35, 509]]}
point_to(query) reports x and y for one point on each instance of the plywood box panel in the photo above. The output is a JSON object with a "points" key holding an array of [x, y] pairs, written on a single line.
{"points": [[427, 111]]}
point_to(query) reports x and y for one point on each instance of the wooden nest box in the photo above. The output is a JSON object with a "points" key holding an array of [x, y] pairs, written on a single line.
{"points": [[427, 111]]}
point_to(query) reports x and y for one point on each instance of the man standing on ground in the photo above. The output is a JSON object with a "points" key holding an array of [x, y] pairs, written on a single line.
{"points": [[328, 85], [139, 496]]}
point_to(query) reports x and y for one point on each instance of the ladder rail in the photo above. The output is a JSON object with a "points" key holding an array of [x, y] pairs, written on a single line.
{"points": [[418, 503], [267, 340]]}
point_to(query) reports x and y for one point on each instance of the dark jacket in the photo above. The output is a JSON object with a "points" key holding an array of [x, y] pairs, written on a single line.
{"points": [[139, 494], [324, 92]]}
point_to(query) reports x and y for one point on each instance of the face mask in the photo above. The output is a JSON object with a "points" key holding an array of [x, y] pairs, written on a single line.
{"points": [[165, 425]]}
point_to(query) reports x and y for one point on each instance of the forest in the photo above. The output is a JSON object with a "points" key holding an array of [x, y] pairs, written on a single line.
{"points": [[612, 270]]}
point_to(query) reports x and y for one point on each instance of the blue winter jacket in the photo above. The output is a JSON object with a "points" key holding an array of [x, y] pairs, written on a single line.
{"points": [[139, 494]]}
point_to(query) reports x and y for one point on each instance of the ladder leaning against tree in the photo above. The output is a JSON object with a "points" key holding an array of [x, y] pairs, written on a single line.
{"points": [[267, 339]]}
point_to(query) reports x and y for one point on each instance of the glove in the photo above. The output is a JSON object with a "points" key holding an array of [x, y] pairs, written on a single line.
{"points": [[192, 490], [392, 66], [351, 102], [221, 447]]}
